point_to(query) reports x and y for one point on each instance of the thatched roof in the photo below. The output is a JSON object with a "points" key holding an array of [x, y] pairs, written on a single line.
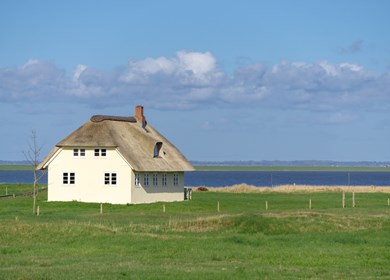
{"points": [[135, 143]]}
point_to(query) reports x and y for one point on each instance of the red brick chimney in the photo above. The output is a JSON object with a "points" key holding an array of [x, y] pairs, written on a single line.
{"points": [[139, 115]]}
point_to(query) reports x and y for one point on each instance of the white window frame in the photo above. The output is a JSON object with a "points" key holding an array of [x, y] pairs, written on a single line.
{"points": [[164, 179], [79, 152], [146, 179], [155, 179], [110, 178], [175, 179], [100, 152], [136, 179], [69, 178]]}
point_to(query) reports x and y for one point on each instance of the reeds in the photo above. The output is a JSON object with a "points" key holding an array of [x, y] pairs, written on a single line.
{"points": [[244, 188]]}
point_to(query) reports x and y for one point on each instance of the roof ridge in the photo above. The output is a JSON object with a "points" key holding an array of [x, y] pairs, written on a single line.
{"points": [[100, 118]]}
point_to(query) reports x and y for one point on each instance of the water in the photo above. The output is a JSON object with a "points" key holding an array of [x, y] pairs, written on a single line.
{"points": [[275, 178], [13, 177], [256, 178]]}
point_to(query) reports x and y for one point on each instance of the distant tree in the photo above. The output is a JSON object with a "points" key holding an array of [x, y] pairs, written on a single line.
{"points": [[32, 156]]}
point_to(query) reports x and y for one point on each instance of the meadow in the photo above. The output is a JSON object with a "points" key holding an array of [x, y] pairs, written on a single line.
{"points": [[216, 235], [15, 167]]}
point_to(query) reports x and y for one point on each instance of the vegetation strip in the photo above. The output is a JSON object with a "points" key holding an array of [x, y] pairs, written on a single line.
{"points": [[12, 167], [290, 168]]}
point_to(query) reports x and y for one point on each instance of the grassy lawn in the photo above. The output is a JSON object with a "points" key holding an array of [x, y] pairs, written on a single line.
{"points": [[192, 240], [14, 167]]}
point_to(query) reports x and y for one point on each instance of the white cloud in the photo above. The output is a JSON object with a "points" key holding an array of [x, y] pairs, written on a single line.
{"points": [[198, 63], [29, 63], [78, 71], [193, 79], [351, 67]]}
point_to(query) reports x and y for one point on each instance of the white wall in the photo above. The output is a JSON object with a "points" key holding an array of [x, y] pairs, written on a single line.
{"points": [[89, 182], [159, 192]]}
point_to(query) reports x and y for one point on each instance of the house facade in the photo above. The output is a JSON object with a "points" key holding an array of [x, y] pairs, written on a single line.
{"points": [[119, 160]]}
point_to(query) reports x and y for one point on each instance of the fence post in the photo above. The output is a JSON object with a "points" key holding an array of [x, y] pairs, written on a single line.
{"points": [[353, 200], [101, 208], [218, 206], [38, 210], [266, 205], [310, 203], [163, 208], [343, 200]]}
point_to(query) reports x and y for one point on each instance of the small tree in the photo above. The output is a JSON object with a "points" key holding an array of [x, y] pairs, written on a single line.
{"points": [[32, 156]]}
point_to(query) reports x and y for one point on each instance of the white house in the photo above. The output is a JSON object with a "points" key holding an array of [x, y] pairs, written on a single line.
{"points": [[115, 160]]}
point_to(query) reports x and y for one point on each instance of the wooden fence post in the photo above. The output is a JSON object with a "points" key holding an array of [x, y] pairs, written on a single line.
{"points": [[101, 208], [353, 200], [309, 203], [38, 210], [218, 206], [163, 208], [343, 200], [266, 205]]}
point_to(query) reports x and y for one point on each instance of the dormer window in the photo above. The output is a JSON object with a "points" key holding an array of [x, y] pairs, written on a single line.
{"points": [[157, 148]]}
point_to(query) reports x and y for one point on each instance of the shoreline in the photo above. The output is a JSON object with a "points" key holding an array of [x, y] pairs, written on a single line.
{"points": [[244, 188]]}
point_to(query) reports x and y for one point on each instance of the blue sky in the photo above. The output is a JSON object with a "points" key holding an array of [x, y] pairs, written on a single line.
{"points": [[223, 80]]}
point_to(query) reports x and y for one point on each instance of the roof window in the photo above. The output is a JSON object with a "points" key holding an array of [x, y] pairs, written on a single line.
{"points": [[157, 148]]}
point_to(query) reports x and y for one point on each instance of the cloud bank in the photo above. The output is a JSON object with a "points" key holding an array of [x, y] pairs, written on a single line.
{"points": [[193, 79]]}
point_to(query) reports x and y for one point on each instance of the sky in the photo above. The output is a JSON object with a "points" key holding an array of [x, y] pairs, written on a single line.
{"points": [[222, 80]]}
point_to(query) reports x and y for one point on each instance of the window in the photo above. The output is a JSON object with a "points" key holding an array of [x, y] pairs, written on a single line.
{"points": [[79, 152], [136, 179], [175, 179], [100, 152], [146, 179], [157, 148], [164, 179], [110, 178], [68, 178], [155, 179]]}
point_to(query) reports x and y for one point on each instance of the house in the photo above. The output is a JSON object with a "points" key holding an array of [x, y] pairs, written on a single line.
{"points": [[117, 160]]}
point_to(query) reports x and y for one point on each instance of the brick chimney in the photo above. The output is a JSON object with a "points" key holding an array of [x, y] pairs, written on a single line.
{"points": [[139, 115]]}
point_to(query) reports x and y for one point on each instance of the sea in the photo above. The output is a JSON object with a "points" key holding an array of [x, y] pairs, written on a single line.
{"points": [[255, 178]]}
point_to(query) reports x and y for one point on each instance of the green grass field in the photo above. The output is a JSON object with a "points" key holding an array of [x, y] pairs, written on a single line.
{"points": [[192, 240], [14, 167]]}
